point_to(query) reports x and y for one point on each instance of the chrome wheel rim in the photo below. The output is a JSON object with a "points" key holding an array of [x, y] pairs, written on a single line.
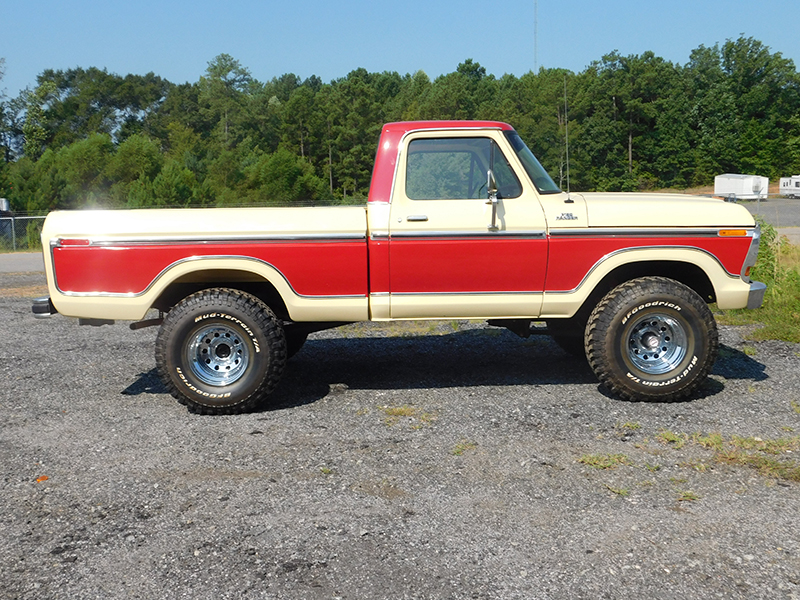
{"points": [[218, 355], [656, 344]]}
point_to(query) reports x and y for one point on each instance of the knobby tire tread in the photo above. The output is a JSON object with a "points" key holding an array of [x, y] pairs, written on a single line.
{"points": [[266, 321], [603, 314]]}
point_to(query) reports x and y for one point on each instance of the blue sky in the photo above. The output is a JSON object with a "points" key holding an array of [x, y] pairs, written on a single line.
{"points": [[177, 39]]}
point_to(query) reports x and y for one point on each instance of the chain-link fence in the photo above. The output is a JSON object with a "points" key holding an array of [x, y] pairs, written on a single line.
{"points": [[21, 233]]}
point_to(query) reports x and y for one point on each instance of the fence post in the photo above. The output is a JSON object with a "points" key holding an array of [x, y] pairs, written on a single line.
{"points": [[13, 234]]}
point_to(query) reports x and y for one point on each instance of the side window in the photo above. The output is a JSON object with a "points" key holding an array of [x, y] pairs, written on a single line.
{"points": [[456, 168]]}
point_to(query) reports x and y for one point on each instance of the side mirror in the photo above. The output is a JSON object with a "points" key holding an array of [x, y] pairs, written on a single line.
{"points": [[491, 185], [491, 190]]}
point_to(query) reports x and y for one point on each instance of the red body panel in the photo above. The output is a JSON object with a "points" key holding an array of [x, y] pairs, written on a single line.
{"points": [[312, 268], [379, 265], [467, 265], [573, 257]]}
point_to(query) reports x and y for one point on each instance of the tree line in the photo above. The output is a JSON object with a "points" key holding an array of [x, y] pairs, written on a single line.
{"points": [[86, 137]]}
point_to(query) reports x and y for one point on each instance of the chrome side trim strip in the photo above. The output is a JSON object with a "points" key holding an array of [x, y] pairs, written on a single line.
{"points": [[222, 239], [644, 231], [451, 294], [480, 234]]}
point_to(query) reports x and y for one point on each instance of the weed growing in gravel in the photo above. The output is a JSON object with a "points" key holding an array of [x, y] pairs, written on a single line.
{"points": [[795, 406], [462, 447], [699, 466], [417, 417], [604, 461], [628, 426], [713, 441], [677, 440], [688, 496], [765, 465], [618, 491], [752, 452]]}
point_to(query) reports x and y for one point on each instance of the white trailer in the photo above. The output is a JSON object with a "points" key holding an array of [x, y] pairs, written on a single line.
{"points": [[790, 186], [741, 187]]}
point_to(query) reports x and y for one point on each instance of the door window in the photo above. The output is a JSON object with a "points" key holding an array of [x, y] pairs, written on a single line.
{"points": [[457, 169]]}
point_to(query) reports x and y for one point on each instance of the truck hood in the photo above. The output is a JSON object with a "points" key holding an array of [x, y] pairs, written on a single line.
{"points": [[662, 210]]}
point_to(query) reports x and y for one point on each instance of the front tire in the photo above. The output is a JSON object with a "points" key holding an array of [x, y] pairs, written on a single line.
{"points": [[221, 351], [652, 339]]}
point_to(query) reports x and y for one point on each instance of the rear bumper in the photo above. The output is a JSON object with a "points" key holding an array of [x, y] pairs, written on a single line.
{"points": [[43, 308], [756, 296]]}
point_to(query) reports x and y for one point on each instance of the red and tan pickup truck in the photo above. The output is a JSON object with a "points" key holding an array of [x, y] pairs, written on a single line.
{"points": [[462, 222]]}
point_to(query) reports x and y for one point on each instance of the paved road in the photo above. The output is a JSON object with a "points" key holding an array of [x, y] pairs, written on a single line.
{"points": [[21, 262], [783, 213]]}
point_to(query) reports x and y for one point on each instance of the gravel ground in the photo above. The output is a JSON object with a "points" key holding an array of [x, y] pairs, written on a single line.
{"points": [[398, 462]]}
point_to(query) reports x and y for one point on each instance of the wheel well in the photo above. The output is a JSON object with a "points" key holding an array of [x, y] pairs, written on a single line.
{"points": [[239, 280], [687, 273]]}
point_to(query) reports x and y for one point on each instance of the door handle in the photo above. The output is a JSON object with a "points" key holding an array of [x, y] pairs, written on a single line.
{"points": [[417, 218]]}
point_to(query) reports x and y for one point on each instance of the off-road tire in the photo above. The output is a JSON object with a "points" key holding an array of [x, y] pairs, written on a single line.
{"points": [[221, 351], [652, 339]]}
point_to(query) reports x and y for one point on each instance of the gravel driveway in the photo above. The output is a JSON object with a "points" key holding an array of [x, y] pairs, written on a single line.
{"points": [[452, 461]]}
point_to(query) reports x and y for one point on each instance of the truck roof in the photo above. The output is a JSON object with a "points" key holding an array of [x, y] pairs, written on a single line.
{"points": [[406, 126]]}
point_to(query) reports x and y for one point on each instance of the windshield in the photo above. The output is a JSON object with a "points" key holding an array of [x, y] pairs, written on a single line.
{"points": [[535, 170]]}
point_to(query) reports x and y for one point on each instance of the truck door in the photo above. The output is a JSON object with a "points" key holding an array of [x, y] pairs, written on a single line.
{"points": [[449, 256]]}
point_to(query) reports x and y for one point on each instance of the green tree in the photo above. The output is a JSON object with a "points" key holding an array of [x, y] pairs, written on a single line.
{"points": [[223, 97], [34, 127]]}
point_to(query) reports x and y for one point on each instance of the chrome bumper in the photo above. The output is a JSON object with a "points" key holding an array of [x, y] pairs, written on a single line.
{"points": [[756, 296]]}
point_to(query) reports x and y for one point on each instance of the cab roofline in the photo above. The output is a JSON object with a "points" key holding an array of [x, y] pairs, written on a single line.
{"points": [[406, 126]]}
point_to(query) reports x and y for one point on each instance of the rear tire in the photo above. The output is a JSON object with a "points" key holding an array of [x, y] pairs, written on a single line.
{"points": [[221, 351], [652, 339]]}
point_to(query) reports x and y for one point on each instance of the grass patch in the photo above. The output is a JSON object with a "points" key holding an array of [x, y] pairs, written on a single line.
{"points": [[713, 441], [676, 440], [764, 455], [795, 406], [767, 466], [629, 426], [778, 266], [463, 446], [618, 491], [604, 461], [417, 417], [688, 496]]}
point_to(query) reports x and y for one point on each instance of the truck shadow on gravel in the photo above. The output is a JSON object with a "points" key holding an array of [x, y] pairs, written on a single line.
{"points": [[463, 359]]}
